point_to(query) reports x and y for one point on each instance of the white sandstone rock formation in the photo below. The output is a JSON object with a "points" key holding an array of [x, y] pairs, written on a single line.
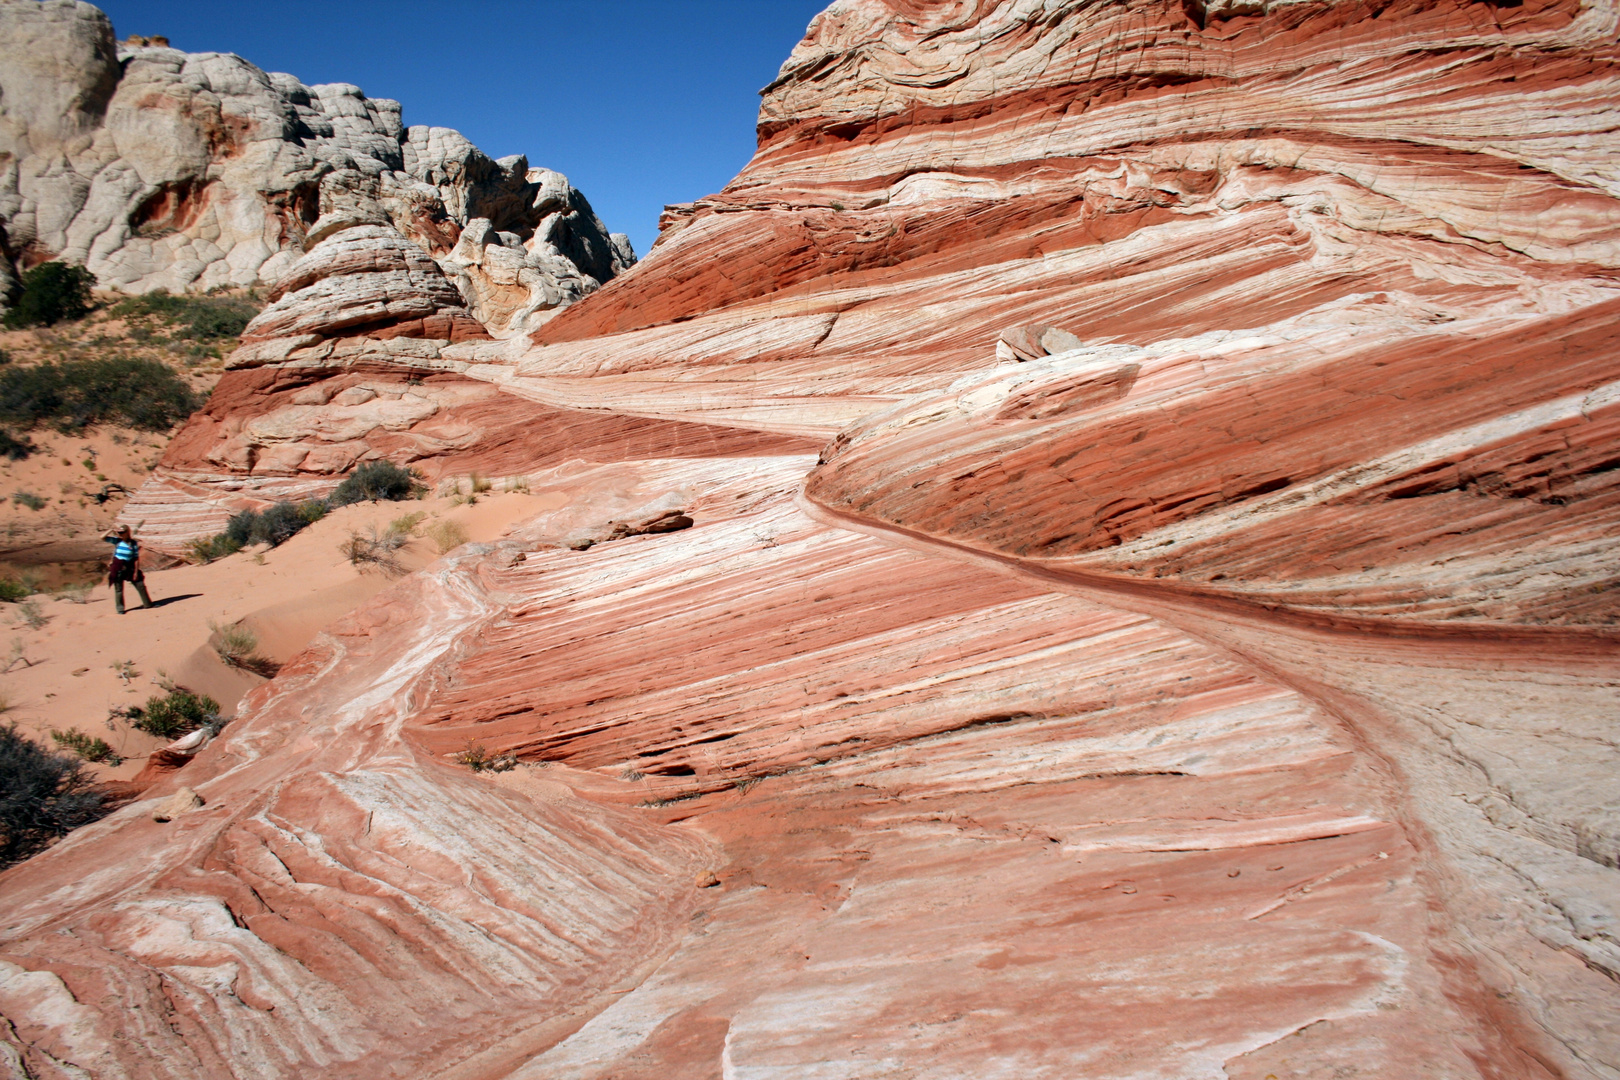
{"points": [[157, 168]]}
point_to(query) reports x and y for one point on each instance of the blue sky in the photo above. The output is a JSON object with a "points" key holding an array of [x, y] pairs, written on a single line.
{"points": [[640, 102]]}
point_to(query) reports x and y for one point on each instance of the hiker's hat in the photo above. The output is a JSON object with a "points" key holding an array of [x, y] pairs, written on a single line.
{"points": [[123, 530]]}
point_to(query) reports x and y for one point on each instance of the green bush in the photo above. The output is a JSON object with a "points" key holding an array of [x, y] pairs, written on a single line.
{"points": [[274, 526], [373, 481], [74, 394], [279, 523], [239, 529], [204, 318], [43, 794], [213, 547], [12, 590], [175, 713], [51, 292], [87, 747]]}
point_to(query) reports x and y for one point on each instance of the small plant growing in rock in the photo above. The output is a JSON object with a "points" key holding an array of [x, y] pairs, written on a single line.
{"points": [[478, 758], [518, 483], [477, 484], [30, 500], [87, 747], [12, 590]]}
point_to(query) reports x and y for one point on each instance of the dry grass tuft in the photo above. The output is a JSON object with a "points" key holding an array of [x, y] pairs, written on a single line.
{"points": [[377, 549], [238, 647], [447, 535]]}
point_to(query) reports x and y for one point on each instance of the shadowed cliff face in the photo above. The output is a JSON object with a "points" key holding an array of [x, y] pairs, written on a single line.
{"points": [[1192, 652]]}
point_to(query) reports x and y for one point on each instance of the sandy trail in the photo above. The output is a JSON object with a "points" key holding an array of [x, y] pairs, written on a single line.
{"points": [[69, 671]]}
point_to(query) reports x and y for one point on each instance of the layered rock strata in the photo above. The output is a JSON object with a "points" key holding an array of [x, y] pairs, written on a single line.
{"points": [[1191, 655]]}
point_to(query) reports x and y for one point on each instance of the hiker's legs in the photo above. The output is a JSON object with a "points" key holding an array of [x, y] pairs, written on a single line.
{"points": [[118, 596], [140, 587]]}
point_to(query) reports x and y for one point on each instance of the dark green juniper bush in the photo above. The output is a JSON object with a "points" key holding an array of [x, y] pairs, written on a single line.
{"points": [[51, 293], [44, 794], [74, 394]]}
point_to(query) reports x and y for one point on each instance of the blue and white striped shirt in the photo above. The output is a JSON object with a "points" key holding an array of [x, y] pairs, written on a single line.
{"points": [[127, 550]]}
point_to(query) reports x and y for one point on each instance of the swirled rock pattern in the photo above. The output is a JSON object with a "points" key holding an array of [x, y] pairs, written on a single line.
{"points": [[1193, 653]]}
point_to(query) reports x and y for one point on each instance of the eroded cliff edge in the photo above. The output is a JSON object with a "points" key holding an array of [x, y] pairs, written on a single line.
{"points": [[1219, 684]]}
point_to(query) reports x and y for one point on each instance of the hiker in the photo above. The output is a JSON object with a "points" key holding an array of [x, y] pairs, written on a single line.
{"points": [[126, 566]]}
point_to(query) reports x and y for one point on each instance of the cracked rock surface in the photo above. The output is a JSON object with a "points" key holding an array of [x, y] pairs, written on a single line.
{"points": [[158, 168]]}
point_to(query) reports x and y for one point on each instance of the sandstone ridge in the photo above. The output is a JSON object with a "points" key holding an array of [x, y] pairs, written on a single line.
{"points": [[1144, 601]]}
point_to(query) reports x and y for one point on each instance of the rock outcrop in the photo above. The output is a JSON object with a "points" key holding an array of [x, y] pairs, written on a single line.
{"points": [[157, 168], [1148, 607], [377, 244]]}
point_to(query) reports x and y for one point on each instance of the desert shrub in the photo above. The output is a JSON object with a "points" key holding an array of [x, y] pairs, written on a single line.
{"points": [[15, 447], [479, 484], [478, 758], [29, 499], [239, 529], [273, 526], [373, 481], [208, 548], [29, 614], [406, 524], [12, 590], [277, 524], [447, 535], [204, 318], [238, 647], [87, 747], [43, 794], [171, 715], [51, 292], [377, 548], [74, 394]]}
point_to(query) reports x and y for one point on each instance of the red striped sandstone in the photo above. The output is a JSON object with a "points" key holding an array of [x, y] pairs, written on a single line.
{"points": [[1231, 696]]}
